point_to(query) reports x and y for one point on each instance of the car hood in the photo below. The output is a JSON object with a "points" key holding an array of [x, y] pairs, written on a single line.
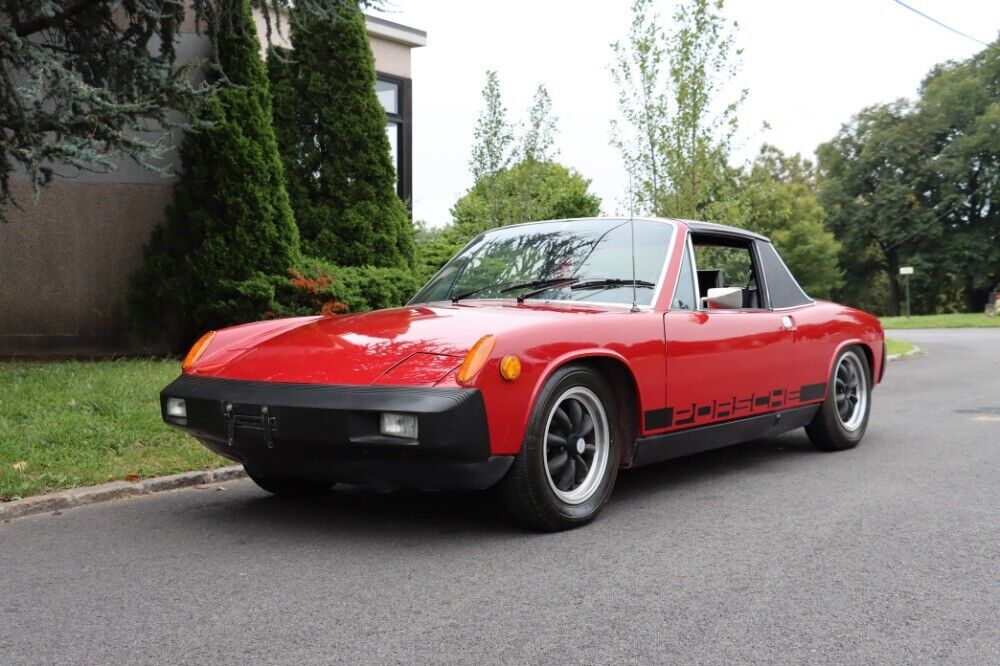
{"points": [[416, 345]]}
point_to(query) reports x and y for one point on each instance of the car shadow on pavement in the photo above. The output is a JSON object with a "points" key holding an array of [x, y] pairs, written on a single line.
{"points": [[677, 474], [363, 512]]}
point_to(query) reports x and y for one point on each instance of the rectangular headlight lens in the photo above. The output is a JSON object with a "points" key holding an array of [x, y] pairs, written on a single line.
{"points": [[177, 408], [399, 425]]}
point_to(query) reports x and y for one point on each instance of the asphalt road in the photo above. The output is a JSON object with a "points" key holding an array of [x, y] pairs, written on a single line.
{"points": [[768, 552]]}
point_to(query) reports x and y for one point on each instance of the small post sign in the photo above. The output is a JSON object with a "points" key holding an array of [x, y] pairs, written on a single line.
{"points": [[906, 272]]}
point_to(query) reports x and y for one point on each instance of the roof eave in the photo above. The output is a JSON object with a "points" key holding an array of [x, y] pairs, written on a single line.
{"points": [[395, 32]]}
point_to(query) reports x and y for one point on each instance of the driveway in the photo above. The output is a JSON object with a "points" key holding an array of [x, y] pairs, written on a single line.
{"points": [[768, 552]]}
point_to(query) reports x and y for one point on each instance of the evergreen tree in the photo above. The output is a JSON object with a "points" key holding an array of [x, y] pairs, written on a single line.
{"points": [[331, 134], [78, 77], [229, 229]]}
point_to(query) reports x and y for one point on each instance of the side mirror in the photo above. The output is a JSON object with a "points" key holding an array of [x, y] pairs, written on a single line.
{"points": [[725, 298]]}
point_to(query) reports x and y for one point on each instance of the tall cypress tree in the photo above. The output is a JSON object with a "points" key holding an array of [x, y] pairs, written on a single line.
{"points": [[331, 133], [229, 230]]}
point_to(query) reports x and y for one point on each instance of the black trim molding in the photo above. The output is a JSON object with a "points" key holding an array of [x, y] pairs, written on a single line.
{"points": [[717, 435]]}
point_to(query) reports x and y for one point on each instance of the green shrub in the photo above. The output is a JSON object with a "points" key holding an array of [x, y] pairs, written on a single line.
{"points": [[434, 254], [316, 286], [331, 134], [229, 229]]}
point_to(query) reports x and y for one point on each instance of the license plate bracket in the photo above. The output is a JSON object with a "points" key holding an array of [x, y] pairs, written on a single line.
{"points": [[249, 417]]}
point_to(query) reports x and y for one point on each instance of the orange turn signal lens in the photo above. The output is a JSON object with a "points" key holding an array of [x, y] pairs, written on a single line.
{"points": [[197, 350], [510, 368], [476, 358]]}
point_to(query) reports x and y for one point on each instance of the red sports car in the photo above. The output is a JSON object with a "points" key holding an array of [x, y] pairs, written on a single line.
{"points": [[542, 359]]}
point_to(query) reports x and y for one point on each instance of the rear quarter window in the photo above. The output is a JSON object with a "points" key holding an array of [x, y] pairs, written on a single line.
{"points": [[782, 288]]}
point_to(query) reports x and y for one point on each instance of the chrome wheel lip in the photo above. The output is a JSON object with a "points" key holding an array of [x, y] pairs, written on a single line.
{"points": [[850, 387], [601, 441]]}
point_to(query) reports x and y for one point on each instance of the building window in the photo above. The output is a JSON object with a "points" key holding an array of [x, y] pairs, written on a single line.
{"points": [[388, 95], [394, 94]]}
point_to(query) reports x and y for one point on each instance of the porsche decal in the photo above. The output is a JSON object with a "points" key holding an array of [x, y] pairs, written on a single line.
{"points": [[731, 407]]}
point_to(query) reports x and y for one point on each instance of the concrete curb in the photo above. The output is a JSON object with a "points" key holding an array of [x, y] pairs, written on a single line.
{"points": [[65, 499]]}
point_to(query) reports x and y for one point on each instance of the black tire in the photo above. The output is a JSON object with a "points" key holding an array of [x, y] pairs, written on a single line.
{"points": [[531, 488], [830, 429], [285, 486]]}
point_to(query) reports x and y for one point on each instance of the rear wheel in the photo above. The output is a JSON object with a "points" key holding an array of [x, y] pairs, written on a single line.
{"points": [[842, 419], [286, 486], [569, 458]]}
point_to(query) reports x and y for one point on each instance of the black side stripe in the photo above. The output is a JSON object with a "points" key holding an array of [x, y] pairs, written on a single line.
{"points": [[659, 418], [656, 419], [812, 392]]}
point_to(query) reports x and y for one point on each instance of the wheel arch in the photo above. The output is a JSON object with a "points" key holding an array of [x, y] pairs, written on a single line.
{"points": [[619, 375], [869, 353]]}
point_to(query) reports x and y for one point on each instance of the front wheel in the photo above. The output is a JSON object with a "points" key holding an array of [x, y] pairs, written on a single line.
{"points": [[286, 486], [569, 458], [842, 419]]}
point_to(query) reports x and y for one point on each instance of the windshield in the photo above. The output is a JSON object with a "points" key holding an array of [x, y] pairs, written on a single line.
{"points": [[516, 261]]}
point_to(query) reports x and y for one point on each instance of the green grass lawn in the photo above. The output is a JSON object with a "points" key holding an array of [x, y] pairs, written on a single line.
{"points": [[66, 424], [974, 320], [898, 346]]}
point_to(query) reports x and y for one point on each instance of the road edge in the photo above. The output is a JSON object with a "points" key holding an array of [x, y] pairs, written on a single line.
{"points": [[913, 352], [105, 492]]}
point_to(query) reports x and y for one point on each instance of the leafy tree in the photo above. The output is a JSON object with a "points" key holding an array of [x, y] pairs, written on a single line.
{"points": [[517, 184], [494, 135], [674, 144], [959, 108], [525, 192], [82, 81], [918, 183], [870, 190], [493, 141], [229, 229], [538, 141], [779, 200], [528, 191], [516, 179], [331, 133]]}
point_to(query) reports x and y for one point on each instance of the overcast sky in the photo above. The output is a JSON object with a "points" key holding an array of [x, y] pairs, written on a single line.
{"points": [[809, 65]]}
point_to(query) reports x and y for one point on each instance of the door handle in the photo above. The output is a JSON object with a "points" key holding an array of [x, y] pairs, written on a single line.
{"points": [[787, 323]]}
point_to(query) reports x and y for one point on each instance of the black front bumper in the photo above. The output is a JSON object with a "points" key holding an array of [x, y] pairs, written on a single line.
{"points": [[331, 433]]}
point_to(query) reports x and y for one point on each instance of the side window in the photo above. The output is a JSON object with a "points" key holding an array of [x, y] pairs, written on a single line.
{"points": [[726, 261], [686, 294], [784, 291]]}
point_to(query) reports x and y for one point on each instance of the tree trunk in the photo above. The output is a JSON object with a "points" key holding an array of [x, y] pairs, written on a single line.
{"points": [[975, 299]]}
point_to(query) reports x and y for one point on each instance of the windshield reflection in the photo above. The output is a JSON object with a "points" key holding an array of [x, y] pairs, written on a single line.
{"points": [[581, 249]]}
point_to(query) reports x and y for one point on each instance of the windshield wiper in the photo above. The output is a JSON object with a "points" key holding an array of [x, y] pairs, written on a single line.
{"points": [[596, 283], [585, 283], [541, 286], [546, 284]]}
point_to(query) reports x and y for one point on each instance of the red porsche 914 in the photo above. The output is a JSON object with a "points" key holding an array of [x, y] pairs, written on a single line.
{"points": [[542, 359]]}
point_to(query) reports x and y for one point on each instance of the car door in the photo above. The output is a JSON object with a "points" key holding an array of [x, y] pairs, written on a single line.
{"points": [[814, 344], [723, 364]]}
